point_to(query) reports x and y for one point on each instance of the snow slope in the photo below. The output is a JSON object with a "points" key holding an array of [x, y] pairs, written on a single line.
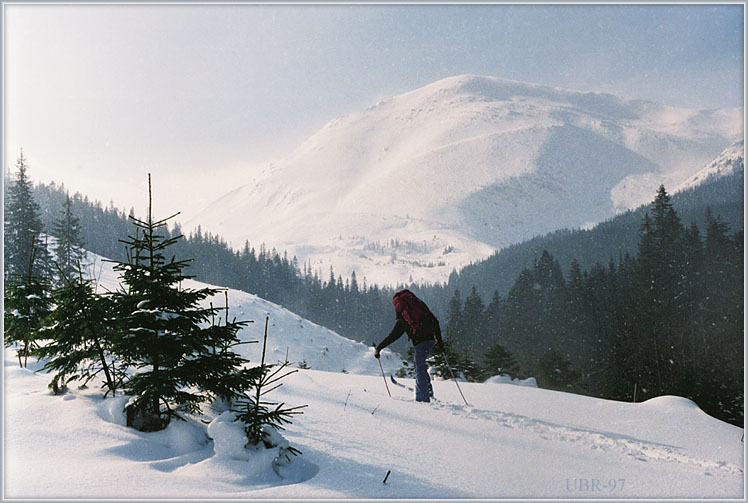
{"points": [[510, 441], [727, 163], [429, 180], [289, 335]]}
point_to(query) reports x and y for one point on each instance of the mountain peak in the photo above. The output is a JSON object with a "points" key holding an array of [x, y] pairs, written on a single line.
{"points": [[434, 178], [483, 84], [489, 87]]}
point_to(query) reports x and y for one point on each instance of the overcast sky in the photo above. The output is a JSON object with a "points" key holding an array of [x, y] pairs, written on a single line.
{"points": [[200, 95]]}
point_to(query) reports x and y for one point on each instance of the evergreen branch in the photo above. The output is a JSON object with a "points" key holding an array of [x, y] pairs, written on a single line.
{"points": [[265, 391], [271, 381]]}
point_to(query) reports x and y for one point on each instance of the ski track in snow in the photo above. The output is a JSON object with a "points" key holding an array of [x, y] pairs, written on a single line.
{"points": [[640, 450]]}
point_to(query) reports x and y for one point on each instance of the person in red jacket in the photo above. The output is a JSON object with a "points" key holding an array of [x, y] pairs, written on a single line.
{"points": [[422, 327]]}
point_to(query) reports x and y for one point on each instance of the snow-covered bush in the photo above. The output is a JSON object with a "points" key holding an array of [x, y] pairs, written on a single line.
{"points": [[230, 441]]}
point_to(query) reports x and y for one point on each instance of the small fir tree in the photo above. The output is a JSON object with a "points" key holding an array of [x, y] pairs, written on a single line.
{"points": [[473, 323], [82, 332], [499, 361], [69, 249], [492, 315], [27, 306], [555, 372], [23, 228], [453, 330], [261, 417], [441, 361], [179, 362]]}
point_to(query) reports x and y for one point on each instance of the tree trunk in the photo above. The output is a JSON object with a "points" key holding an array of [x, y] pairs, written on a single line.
{"points": [[109, 381]]}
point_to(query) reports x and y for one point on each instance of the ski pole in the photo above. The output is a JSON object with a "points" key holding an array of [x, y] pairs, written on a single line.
{"points": [[380, 368], [453, 377]]}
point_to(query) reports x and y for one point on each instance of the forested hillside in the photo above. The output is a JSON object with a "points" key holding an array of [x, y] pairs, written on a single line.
{"points": [[610, 239]]}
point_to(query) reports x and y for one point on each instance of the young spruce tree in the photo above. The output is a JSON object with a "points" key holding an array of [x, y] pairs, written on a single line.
{"points": [[262, 418], [82, 332], [179, 362], [499, 361], [23, 228], [69, 248], [449, 363], [27, 306]]}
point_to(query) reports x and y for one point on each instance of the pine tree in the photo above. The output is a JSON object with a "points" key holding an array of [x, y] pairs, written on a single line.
{"points": [[180, 364], [547, 274], [723, 305], [354, 284], [27, 307], [447, 361], [576, 324], [492, 317], [454, 327], [23, 227], [691, 304], [549, 286], [69, 248], [473, 321], [555, 372], [660, 274], [498, 361], [82, 330]]}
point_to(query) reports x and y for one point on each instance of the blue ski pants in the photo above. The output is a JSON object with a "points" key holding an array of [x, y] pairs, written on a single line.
{"points": [[422, 351]]}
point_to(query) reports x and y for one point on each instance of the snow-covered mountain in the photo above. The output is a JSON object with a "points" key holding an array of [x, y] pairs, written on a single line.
{"points": [[427, 181]]}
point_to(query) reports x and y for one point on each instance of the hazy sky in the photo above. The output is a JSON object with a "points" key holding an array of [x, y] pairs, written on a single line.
{"points": [[200, 95]]}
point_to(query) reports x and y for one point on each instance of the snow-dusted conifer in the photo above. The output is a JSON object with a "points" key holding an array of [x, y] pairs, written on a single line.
{"points": [[179, 363], [27, 306], [82, 331], [23, 228], [442, 361], [69, 249], [554, 371], [263, 418], [499, 361]]}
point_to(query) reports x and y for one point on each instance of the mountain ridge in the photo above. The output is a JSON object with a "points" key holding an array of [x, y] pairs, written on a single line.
{"points": [[469, 164]]}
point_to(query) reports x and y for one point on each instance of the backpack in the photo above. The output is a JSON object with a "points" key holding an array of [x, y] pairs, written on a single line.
{"points": [[411, 308]]}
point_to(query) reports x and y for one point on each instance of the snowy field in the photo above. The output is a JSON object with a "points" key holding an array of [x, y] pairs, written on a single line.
{"points": [[510, 441]]}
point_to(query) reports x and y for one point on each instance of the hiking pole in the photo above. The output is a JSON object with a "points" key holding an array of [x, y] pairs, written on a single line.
{"points": [[453, 377], [380, 368]]}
